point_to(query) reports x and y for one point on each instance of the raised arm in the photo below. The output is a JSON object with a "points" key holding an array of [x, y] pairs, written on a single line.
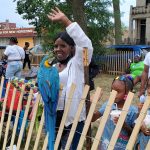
{"points": [[74, 30], [58, 16]]}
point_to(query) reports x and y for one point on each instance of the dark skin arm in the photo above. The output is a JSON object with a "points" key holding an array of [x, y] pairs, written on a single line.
{"points": [[143, 80], [96, 115], [127, 71], [4, 57], [126, 127]]}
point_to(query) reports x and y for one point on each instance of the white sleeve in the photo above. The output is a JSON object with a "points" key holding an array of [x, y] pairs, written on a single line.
{"points": [[23, 53], [81, 40], [147, 59], [6, 52]]}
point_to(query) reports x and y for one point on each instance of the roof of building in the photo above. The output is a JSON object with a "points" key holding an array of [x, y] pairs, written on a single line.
{"points": [[18, 32]]}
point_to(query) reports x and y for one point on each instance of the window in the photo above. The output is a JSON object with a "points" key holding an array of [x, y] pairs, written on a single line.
{"points": [[147, 2]]}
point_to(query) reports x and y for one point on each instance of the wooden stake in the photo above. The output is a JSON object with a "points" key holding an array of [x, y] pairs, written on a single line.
{"points": [[138, 124], [120, 121], [24, 119], [86, 78], [67, 108], [45, 143], [148, 146], [89, 118], [17, 117], [39, 132], [4, 109], [9, 118], [32, 122], [1, 86], [77, 116], [103, 120]]}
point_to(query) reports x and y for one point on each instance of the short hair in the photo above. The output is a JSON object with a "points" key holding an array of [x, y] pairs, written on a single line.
{"points": [[13, 39], [65, 37], [26, 43]]}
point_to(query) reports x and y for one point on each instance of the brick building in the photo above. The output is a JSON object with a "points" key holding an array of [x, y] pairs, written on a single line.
{"points": [[140, 23], [23, 35]]}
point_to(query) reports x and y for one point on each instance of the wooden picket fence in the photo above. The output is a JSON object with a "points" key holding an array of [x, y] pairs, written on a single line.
{"points": [[25, 144], [36, 59], [115, 63]]}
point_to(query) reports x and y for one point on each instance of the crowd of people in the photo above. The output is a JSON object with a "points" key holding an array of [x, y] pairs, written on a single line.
{"points": [[68, 50]]}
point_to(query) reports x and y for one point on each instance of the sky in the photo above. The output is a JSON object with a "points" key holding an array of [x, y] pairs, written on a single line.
{"points": [[8, 11]]}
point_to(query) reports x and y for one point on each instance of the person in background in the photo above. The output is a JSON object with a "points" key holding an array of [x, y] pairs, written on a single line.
{"points": [[14, 55], [145, 74], [68, 49], [135, 69], [122, 85], [93, 72], [144, 134], [27, 53]]}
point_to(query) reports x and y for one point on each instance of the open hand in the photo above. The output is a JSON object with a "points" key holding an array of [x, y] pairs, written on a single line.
{"points": [[56, 15]]}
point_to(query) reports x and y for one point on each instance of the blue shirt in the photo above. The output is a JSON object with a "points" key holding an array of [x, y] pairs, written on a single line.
{"points": [[110, 127], [142, 141]]}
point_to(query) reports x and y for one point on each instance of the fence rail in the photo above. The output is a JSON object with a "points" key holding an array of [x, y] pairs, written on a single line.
{"points": [[36, 59], [23, 143], [115, 63]]}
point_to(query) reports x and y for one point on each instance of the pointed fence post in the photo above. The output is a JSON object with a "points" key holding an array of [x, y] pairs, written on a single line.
{"points": [[86, 78], [138, 124], [148, 145]]}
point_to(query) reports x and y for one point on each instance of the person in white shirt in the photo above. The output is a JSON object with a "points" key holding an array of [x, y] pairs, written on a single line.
{"points": [[68, 48], [145, 74], [14, 54]]}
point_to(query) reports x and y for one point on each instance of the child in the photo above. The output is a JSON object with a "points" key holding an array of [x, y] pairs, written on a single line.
{"points": [[122, 85], [144, 134]]}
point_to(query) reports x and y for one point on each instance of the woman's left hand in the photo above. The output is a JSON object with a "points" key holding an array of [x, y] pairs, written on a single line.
{"points": [[58, 16]]}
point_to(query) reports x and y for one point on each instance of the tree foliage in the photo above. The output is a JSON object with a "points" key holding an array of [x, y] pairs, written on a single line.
{"points": [[96, 21]]}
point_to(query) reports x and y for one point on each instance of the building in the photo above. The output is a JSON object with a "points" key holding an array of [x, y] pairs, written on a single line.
{"points": [[140, 22], [23, 35]]}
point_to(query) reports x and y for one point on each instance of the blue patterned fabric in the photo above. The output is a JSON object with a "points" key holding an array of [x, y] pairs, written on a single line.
{"points": [[110, 127], [48, 83]]}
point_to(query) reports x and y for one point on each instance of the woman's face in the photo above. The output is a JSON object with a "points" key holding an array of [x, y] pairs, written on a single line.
{"points": [[136, 59], [119, 86], [61, 49]]}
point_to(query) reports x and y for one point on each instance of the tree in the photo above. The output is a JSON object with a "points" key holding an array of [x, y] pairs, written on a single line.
{"points": [[92, 15], [117, 20]]}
